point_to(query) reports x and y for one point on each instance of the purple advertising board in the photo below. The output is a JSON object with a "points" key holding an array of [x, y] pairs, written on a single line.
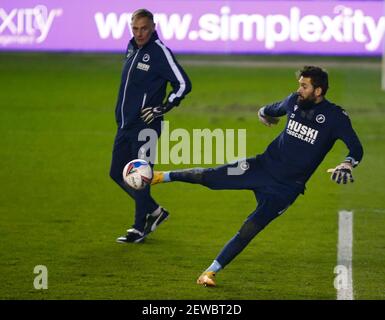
{"points": [[306, 27]]}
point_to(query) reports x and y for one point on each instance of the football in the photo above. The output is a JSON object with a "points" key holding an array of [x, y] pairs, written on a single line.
{"points": [[137, 174]]}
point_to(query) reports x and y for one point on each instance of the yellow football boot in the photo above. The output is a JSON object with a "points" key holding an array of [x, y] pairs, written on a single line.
{"points": [[207, 279], [158, 177]]}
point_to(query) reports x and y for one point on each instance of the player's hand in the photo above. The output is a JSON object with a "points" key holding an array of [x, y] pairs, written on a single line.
{"points": [[342, 173], [265, 119], [149, 114]]}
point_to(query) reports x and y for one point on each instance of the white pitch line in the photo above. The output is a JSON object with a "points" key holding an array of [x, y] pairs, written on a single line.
{"points": [[345, 254]]}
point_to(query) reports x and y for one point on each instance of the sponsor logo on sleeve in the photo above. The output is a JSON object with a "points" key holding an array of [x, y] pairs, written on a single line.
{"points": [[130, 52]]}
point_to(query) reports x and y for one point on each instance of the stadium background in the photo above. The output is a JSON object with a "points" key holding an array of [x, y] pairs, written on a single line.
{"points": [[59, 208]]}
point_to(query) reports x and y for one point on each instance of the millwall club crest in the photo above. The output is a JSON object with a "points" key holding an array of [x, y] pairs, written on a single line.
{"points": [[320, 118], [146, 57]]}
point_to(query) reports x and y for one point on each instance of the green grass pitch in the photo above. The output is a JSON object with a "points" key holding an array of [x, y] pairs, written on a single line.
{"points": [[59, 208]]}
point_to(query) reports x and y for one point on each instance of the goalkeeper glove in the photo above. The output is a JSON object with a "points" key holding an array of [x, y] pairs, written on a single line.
{"points": [[342, 173], [149, 114], [265, 119]]}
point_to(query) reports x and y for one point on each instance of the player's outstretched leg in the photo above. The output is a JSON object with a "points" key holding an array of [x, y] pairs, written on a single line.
{"points": [[269, 207], [193, 175], [247, 232], [219, 178]]}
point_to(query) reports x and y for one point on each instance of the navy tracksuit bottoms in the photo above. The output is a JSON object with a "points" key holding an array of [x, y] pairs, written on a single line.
{"points": [[127, 147], [273, 198]]}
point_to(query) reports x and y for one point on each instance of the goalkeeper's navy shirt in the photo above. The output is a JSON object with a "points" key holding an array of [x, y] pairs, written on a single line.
{"points": [[308, 136]]}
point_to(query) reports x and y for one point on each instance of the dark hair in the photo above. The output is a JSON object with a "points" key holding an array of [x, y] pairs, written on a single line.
{"points": [[318, 77], [142, 13]]}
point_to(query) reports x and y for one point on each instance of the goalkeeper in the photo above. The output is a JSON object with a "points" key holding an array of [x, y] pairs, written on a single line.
{"points": [[279, 175]]}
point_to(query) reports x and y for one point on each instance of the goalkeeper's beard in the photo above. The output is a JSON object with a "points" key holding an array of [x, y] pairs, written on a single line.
{"points": [[307, 103]]}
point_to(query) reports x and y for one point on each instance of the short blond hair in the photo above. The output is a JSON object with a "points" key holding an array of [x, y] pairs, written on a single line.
{"points": [[142, 13]]}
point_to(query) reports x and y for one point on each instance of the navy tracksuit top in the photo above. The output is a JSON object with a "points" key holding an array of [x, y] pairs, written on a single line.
{"points": [[308, 136], [145, 74]]}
